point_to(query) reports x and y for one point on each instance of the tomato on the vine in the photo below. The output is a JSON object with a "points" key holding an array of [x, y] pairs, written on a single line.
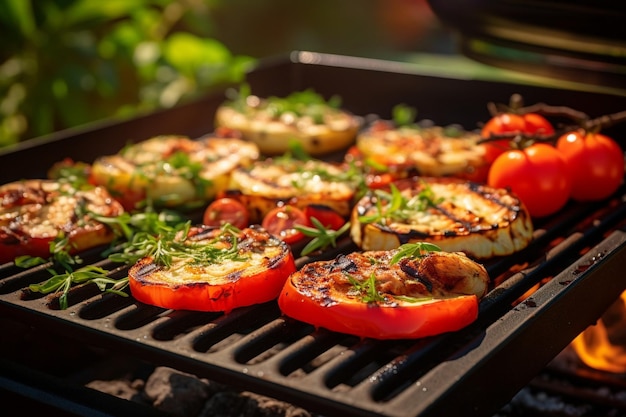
{"points": [[595, 163], [509, 123], [281, 222], [226, 210], [537, 175]]}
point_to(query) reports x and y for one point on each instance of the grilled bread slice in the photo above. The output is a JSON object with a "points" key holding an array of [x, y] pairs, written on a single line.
{"points": [[34, 213], [271, 182], [172, 171], [457, 215], [318, 126], [387, 295], [417, 149], [212, 269]]}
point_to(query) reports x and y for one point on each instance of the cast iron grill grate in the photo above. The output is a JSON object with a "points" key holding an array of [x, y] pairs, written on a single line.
{"points": [[542, 298]]}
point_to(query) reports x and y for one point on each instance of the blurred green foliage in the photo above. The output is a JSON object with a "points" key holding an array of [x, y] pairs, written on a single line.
{"points": [[64, 63]]}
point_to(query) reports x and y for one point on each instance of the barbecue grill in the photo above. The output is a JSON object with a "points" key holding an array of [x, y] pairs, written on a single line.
{"points": [[541, 299]]}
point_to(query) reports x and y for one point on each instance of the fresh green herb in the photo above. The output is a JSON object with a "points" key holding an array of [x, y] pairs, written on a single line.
{"points": [[171, 244], [300, 103], [323, 238], [27, 261], [403, 115], [237, 98], [409, 299], [400, 207], [74, 173], [63, 282], [128, 227], [366, 290], [414, 250]]}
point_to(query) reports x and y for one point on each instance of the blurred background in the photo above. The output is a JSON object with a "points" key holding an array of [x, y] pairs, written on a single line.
{"points": [[65, 63]]}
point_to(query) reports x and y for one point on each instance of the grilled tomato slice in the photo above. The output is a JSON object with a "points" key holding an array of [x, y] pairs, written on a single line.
{"points": [[34, 213], [212, 269], [387, 295]]}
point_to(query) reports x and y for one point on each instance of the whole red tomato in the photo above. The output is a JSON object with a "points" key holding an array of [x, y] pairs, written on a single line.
{"points": [[537, 174], [595, 163], [512, 124]]}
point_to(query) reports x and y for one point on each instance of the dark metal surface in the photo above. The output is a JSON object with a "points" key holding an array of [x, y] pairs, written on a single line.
{"points": [[577, 258]]}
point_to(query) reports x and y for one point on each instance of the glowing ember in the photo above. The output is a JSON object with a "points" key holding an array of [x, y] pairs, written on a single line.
{"points": [[603, 345]]}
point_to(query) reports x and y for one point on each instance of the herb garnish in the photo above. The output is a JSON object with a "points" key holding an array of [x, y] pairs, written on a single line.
{"points": [[323, 238], [128, 227], [414, 250], [400, 207], [366, 290], [403, 115], [93, 274]]}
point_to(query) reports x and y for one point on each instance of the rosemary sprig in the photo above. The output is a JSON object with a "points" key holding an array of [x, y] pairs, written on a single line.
{"points": [[400, 207], [323, 238], [130, 228], [413, 250], [64, 281], [366, 290]]}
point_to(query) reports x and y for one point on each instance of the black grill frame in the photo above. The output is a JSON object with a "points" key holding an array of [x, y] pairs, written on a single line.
{"points": [[577, 258]]}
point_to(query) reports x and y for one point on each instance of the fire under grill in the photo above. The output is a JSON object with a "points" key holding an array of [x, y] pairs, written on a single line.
{"points": [[541, 299]]}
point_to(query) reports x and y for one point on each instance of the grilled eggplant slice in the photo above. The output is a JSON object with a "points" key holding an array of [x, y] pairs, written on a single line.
{"points": [[318, 126], [457, 215], [33, 213], [265, 184], [422, 149], [172, 171]]}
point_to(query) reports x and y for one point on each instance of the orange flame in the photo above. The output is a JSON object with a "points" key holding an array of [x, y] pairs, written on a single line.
{"points": [[603, 345]]}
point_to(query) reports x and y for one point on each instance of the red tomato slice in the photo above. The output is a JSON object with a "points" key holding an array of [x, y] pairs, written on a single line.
{"points": [[329, 218], [401, 321], [256, 277], [226, 210], [281, 222], [595, 163]]}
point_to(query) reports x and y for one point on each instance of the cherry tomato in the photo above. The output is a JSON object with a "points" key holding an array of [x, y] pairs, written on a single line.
{"points": [[226, 210], [227, 285], [281, 220], [399, 320], [511, 123], [329, 218], [537, 174], [595, 163]]}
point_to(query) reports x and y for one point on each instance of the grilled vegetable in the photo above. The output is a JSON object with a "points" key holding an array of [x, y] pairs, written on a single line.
{"points": [[212, 269], [35, 214], [421, 149], [319, 126], [457, 215], [172, 171], [267, 184], [410, 292]]}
